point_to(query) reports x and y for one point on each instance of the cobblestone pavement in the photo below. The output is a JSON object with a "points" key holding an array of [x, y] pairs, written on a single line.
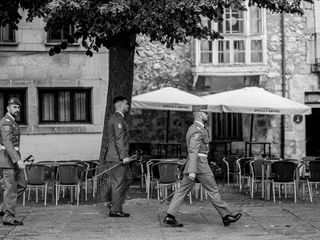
{"points": [[261, 220]]}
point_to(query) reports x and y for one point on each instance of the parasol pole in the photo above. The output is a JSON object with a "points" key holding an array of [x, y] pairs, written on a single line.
{"points": [[251, 133], [167, 132]]}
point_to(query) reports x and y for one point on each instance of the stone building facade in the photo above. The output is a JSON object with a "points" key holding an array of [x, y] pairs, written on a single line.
{"points": [[202, 68], [63, 96], [55, 127]]}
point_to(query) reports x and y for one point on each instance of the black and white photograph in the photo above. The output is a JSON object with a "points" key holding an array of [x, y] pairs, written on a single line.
{"points": [[160, 119]]}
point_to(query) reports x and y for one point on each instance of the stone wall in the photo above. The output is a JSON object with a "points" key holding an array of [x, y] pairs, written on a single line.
{"points": [[157, 67], [298, 78]]}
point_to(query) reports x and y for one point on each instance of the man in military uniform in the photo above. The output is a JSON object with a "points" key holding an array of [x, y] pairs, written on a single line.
{"points": [[14, 182], [118, 152], [197, 167]]}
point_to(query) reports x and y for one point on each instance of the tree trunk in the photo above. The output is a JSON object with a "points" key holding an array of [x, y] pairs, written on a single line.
{"points": [[121, 66]]}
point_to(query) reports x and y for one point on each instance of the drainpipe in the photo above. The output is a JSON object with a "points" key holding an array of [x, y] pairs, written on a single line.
{"points": [[283, 84]]}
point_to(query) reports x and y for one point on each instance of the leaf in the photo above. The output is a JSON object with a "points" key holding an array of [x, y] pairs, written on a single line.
{"points": [[51, 52], [57, 49], [64, 45], [89, 53]]}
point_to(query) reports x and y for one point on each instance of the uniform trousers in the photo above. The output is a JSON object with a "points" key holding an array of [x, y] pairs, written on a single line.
{"points": [[208, 182], [14, 184], [120, 179]]}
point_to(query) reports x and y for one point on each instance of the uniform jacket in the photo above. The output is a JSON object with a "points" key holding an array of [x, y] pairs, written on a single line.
{"points": [[118, 138], [10, 140], [197, 142]]}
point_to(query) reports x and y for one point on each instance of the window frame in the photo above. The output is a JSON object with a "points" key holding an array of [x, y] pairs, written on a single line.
{"points": [[13, 33], [23, 109], [257, 20], [55, 92], [220, 127], [247, 37], [225, 52], [62, 37], [255, 51], [241, 20]]}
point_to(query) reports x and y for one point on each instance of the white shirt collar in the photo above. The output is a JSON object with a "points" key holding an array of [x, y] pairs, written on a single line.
{"points": [[200, 123], [120, 113], [11, 116]]}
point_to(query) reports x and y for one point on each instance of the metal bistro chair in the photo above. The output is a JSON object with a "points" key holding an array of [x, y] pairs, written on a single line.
{"points": [[256, 174], [231, 168], [69, 175], [91, 169], [314, 178], [168, 177], [284, 173], [38, 177], [152, 176], [243, 166]]}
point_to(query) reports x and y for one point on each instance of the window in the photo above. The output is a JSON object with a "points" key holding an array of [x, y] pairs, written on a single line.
{"points": [[56, 36], [65, 105], [233, 22], [239, 51], [223, 51], [6, 94], [255, 20], [7, 34], [227, 126], [243, 43], [206, 51], [256, 51]]}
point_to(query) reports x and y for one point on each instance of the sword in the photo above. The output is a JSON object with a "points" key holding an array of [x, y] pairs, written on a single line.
{"points": [[30, 158], [163, 200], [132, 158], [105, 171]]}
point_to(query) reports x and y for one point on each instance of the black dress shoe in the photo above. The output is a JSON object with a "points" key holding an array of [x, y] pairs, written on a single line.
{"points": [[14, 223], [118, 214], [126, 214], [172, 222], [1, 214], [228, 219]]}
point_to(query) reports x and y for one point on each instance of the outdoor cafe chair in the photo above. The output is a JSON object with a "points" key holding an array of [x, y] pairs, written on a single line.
{"points": [[144, 160], [198, 190], [231, 168], [284, 173], [38, 177], [243, 169], [149, 180], [305, 167], [91, 169], [168, 177], [256, 174], [314, 176], [69, 175]]}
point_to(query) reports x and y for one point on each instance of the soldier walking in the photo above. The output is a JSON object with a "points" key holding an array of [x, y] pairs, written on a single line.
{"points": [[197, 167], [118, 152], [14, 182]]}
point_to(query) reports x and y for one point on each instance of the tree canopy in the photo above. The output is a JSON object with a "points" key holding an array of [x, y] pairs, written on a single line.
{"points": [[107, 22]]}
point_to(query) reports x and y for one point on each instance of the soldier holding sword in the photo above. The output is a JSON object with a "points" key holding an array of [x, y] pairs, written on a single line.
{"points": [[117, 157], [14, 181]]}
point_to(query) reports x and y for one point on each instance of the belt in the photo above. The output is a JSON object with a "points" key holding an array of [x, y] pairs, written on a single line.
{"points": [[3, 148], [202, 155]]}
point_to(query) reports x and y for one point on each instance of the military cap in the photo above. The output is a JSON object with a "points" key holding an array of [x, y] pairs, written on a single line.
{"points": [[14, 100], [199, 108]]}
